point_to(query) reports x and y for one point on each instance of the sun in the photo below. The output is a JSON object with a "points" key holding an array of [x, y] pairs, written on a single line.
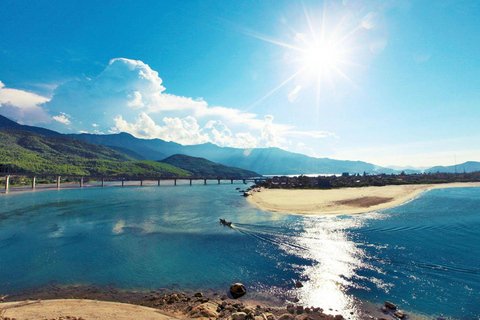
{"points": [[321, 54], [320, 58]]}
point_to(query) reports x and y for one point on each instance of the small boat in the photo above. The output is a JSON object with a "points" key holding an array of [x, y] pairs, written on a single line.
{"points": [[225, 223]]}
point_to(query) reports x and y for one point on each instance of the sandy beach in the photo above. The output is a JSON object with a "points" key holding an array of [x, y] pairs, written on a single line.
{"points": [[342, 201], [78, 308]]}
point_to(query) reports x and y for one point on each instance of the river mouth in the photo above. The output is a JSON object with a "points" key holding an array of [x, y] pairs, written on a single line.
{"points": [[143, 239]]}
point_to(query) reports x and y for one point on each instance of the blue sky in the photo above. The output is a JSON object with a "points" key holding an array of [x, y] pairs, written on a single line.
{"points": [[391, 82]]}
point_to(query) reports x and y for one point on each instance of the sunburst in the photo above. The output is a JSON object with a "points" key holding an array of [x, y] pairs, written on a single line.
{"points": [[320, 54]]}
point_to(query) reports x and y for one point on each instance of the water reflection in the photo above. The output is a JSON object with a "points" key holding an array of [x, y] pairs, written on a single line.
{"points": [[336, 260]]}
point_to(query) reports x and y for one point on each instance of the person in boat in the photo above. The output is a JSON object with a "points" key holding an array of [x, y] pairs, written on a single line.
{"points": [[225, 223]]}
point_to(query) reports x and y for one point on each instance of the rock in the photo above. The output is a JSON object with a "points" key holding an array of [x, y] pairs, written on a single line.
{"points": [[290, 308], [268, 316], [384, 309], [224, 297], [206, 310], [296, 300], [286, 316], [239, 316], [298, 284], [238, 290], [390, 305], [339, 317], [399, 314], [308, 310], [299, 309], [198, 295]]}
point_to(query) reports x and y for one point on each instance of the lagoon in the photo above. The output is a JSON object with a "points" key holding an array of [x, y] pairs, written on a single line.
{"points": [[423, 255]]}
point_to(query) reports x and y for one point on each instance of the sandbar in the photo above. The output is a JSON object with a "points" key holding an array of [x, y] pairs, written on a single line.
{"points": [[87, 309], [342, 200]]}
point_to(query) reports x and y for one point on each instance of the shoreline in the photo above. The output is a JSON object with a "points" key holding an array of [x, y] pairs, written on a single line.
{"points": [[343, 200], [92, 302]]}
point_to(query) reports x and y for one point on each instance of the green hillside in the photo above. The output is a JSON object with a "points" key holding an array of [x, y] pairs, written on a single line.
{"points": [[28, 152], [208, 169]]}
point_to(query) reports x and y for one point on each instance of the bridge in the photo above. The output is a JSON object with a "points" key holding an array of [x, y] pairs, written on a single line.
{"points": [[122, 179]]}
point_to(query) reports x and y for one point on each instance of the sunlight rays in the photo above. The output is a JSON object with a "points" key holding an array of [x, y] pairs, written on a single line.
{"points": [[321, 54]]}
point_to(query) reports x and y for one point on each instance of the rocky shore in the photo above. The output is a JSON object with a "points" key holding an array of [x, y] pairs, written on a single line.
{"points": [[211, 305]]}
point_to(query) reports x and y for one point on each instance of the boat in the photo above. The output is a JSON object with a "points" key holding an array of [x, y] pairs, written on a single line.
{"points": [[225, 223]]}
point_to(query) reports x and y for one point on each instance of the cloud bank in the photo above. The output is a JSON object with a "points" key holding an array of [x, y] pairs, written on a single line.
{"points": [[23, 106], [128, 96]]}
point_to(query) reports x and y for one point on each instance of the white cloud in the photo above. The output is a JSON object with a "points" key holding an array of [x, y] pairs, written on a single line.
{"points": [[127, 87], [23, 106], [129, 96], [63, 118], [292, 96]]}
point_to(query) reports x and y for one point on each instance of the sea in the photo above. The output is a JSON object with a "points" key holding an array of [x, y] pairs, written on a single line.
{"points": [[423, 255]]}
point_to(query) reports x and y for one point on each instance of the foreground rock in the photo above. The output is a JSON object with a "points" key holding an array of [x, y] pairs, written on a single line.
{"points": [[205, 310], [238, 290], [390, 305]]}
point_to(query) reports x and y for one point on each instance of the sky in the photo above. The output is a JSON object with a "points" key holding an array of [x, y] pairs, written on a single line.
{"points": [[391, 82]]}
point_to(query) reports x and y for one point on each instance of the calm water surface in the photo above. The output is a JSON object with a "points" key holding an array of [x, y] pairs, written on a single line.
{"points": [[424, 255]]}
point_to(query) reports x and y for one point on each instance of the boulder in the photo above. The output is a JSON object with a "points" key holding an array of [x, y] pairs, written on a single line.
{"points": [[268, 316], [238, 290], [204, 310], [384, 309], [286, 316], [239, 316], [198, 295], [399, 314], [390, 305], [290, 308], [299, 309], [298, 284]]}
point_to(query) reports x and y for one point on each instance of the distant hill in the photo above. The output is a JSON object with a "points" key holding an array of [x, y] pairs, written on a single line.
{"points": [[6, 123], [469, 166], [22, 151], [205, 168], [266, 161]]}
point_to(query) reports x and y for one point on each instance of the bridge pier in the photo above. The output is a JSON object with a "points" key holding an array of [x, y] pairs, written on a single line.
{"points": [[158, 181], [174, 182], [7, 183], [103, 182], [58, 182], [141, 183], [123, 182], [231, 180], [218, 181], [33, 182], [205, 181], [244, 181], [190, 181], [81, 182]]}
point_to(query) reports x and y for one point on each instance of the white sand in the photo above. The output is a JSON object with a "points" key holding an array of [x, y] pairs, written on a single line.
{"points": [[88, 309], [342, 201]]}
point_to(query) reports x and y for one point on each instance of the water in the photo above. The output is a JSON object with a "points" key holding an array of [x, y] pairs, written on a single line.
{"points": [[423, 255]]}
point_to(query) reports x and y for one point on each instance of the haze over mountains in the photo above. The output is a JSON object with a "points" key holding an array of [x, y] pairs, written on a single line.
{"points": [[266, 161]]}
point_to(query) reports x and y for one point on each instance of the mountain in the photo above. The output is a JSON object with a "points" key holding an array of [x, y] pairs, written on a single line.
{"points": [[23, 151], [6, 123], [469, 166], [205, 168], [266, 161]]}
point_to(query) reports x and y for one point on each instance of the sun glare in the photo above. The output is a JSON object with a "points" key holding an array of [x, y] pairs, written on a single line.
{"points": [[322, 53], [320, 58]]}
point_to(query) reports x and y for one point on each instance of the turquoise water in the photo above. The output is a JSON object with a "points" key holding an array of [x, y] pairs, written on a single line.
{"points": [[423, 255]]}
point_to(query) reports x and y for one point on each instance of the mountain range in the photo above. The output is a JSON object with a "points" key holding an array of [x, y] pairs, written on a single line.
{"points": [[266, 161]]}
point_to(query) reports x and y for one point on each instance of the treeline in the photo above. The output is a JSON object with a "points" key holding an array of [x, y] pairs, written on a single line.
{"points": [[346, 181]]}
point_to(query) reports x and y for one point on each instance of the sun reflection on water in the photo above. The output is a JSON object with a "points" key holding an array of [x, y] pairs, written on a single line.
{"points": [[336, 260]]}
